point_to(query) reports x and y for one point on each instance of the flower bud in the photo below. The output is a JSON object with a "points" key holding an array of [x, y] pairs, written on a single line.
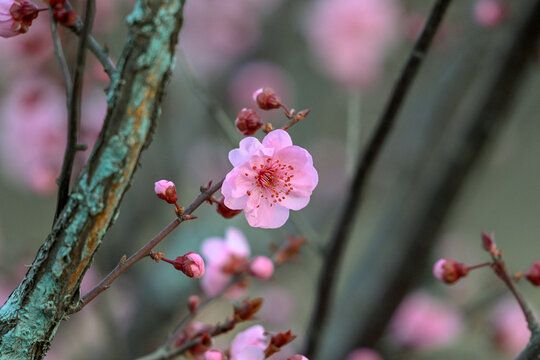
{"points": [[16, 16], [266, 99], [449, 271], [533, 273], [262, 267], [193, 303], [191, 264], [248, 121], [213, 355], [224, 211], [489, 13], [166, 190]]}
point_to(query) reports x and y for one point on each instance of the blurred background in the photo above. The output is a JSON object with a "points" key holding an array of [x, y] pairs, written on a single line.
{"points": [[339, 58]]}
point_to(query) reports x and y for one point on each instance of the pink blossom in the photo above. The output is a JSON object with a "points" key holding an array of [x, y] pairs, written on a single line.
{"points": [[350, 38], [298, 357], [262, 267], [363, 354], [256, 75], [33, 121], [278, 307], [510, 327], [421, 321], [489, 13], [166, 190], [248, 121], [16, 16], [213, 355], [222, 256], [217, 32], [268, 179], [191, 264], [249, 344]]}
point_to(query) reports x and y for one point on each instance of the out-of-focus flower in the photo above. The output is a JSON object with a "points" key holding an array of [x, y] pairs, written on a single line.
{"points": [[278, 306], [268, 179], [217, 32], [249, 344], [166, 190], [350, 38], [449, 271], [224, 258], [510, 327], [16, 16], [255, 75], [363, 354], [214, 355], [489, 13], [422, 321], [33, 121], [248, 121], [262, 267]]}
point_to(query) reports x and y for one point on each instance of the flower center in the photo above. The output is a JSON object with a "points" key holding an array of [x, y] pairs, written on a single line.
{"points": [[273, 180]]}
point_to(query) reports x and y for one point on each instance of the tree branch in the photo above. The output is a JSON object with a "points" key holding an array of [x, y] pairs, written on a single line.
{"points": [[144, 251], [74, 110], [30, 317], [364, 166]]}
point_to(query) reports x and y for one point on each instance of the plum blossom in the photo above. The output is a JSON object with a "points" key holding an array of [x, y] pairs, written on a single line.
{"points": [[269, 179], [16, 16], [351, 37], [510, 327], [422, 321], [249, 344], [489, 13], [166, 190], [262, 267], [363, 354], [223, 257]]}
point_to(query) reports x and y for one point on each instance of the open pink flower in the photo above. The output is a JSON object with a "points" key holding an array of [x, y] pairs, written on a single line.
{"points": [[223, 257], [268, 179], [422, 321], [16, 16], [509, 326], [249, 344]]}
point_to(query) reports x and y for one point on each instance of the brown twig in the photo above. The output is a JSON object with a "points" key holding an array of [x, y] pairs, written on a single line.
{"points": [[59, 53], [74, 110], [364, 166], [144, 251], [101, 54]]}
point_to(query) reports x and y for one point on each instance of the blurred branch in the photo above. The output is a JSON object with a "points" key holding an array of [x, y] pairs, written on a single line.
{"points": [[74, 110], [144, 251], [59, 53], [31, 315], [101, 54], [364, 166], [400, 250]]}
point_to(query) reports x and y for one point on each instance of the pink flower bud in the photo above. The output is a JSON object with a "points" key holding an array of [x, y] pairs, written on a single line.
{"points": [[489, 13], [16, 16], [191, 264], [262, 267], [213, 355], [193, 303], [248, 121], [166, 190], [266, 99], [449, 271], [533, 273]]}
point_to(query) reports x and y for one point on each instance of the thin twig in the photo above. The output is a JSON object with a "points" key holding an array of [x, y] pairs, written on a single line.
{"points": [[74, 110], [101, 54], [364, 166], [59, 53], [144, 251]]}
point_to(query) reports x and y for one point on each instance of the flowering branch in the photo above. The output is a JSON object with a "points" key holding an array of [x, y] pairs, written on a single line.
{"points": [[364, 166], [51, 285], [145, 251], [74, 110]]}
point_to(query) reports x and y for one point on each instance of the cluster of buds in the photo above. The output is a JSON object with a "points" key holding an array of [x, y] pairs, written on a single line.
{"points": [[62, 15], [16, 16], [191, 264], [248, 121]]}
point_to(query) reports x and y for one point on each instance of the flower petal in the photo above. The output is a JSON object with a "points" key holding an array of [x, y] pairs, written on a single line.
{"points": [[215, 251], [236, 242], [266, 216], [214, 281], [277, 139], [248, 147]]}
